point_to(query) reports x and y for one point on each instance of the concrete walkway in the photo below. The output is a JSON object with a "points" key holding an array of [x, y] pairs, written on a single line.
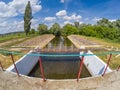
{"points": [[80, 41], [10, 81]]}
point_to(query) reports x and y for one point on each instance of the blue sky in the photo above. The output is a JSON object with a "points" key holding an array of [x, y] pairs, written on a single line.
{"points": [[60, 11]]}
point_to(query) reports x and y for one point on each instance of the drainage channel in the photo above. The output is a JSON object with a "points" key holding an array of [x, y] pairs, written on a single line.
{"points": [[60, 67]]}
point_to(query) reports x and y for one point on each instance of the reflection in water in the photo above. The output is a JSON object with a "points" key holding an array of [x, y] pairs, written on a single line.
{"points": [[60, 43]]}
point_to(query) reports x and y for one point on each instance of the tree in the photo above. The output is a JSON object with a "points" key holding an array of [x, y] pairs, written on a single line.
{"points": [[55, 29], [32, 31], [69, 29], [76, 24], [104, 22], [42, 28], [27, 18]]}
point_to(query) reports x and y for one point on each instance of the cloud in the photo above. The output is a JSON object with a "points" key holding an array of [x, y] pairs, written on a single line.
{"points": [[72, 17], [17, 7], [67, 22], [112, 20], [15, 26], [61, 13], [62, 1], [7, 26], [7, 11], [96, 19], [49, 19]]}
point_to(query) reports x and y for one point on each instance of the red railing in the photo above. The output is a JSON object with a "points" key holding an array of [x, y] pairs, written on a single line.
{"points": [[107, 64], [81, 66], [41, 69], [14, 65]]}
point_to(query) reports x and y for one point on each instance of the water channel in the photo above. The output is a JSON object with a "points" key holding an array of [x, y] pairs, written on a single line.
{"points": [[60, 67]]}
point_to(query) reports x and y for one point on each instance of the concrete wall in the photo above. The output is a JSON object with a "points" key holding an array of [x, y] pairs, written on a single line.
{"points": [[94, 64], [25, 64]]}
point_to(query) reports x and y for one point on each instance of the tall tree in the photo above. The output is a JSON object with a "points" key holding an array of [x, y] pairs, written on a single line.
{"points": [[27, 18]]}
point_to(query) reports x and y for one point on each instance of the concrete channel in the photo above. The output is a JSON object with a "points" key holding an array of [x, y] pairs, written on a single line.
{"points": [[10, 81]]}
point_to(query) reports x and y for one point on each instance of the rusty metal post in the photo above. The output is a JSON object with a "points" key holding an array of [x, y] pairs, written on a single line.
{"points": [[1, 66], [107, 64], [14, 65], [41, 69], [81, 66]]}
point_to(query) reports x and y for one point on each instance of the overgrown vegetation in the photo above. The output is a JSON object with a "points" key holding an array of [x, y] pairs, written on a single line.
{"points": [[103, 29]]}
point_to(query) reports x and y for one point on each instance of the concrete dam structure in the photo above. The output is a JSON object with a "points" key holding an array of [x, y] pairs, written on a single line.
{"points": [[68, 70]]}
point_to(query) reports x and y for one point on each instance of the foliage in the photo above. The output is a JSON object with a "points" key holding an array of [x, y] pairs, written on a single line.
{"points": [[32, 31], [42, 28], [69, 29], [104, 29], [55, 29], [27, 18]]}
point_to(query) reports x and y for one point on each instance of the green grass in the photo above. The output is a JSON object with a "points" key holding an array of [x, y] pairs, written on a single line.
{"points": [[105, 42], [15, 36], [11, 36]]}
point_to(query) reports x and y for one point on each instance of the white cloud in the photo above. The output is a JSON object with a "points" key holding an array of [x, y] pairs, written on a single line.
{"points": [[61, 13], [67, 22], [72, 17], [96, 19], [7, 26], [62, 1], [17, 7], [7, 11], [16, 25], [112, 20], [71, 22], [49, 19]]}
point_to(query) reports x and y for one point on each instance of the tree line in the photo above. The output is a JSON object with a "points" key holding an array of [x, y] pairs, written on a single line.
{"points": [[102, 29]]}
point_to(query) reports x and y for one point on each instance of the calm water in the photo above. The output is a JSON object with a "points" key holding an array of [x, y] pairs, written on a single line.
{"points": [[60, 67], [60, 43]]}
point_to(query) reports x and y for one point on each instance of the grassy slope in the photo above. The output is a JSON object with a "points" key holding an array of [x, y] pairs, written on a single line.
{"points": [[105, 42]]}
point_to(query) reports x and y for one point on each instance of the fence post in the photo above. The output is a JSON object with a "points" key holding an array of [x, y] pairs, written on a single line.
{"points": [[41, 69], [14, 65], [1, 66], [80, 68], [107, 64]]}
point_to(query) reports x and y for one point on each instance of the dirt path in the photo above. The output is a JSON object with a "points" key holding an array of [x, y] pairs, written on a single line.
{"points": [[39, 41], [82, 42]]}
